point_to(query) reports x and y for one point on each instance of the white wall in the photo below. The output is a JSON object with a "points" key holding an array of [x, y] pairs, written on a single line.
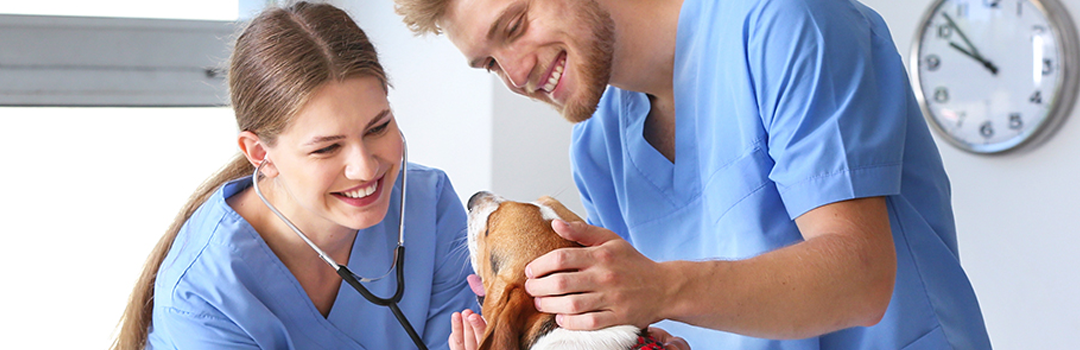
{"points": [[1017, 221], [531, 151]]}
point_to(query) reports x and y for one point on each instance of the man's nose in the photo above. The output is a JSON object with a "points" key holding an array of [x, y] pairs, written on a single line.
{"points": [[515, 67]]}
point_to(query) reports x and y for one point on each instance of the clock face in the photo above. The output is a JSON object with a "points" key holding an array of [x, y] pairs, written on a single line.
{"points": [[990, 72]]}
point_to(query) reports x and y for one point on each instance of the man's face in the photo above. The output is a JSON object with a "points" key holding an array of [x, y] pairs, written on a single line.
{"points": [[556, 51]]}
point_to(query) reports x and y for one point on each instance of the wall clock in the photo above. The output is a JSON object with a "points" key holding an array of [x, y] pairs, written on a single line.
{"points": [[995, 75]]}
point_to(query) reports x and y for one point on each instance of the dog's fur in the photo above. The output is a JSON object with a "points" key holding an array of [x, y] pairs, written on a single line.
{"points": [[504, 236]]}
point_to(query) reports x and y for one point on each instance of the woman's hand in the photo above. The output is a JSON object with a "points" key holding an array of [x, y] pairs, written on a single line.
{"points": [[670, 342], [599, 285], [466, 329]]}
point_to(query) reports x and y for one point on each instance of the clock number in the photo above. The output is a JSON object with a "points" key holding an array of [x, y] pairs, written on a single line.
{"points": [[1019, 8], [991, 3], [944, 31], [1048, 66], [986, 130], [961, 9], [933, 62], [1036, 98], [941, 95], [1015, 122]]}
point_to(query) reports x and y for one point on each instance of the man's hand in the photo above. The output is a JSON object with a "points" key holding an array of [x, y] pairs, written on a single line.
{"points": [[603, 284], [670, 342]]}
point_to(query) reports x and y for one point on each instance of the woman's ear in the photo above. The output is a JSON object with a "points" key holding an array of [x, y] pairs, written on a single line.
{"points": [[255, 151]]}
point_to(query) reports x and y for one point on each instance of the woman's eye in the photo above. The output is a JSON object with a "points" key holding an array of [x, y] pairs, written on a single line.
{"points": [[490, 66], [379, 129], [327, 149]]}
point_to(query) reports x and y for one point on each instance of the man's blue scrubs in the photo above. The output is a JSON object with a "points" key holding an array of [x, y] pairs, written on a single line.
{"points": [[783, 106]]}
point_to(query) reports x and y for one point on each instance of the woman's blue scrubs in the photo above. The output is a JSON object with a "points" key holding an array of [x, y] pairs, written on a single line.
{"points": [[221, 287], [783, 106]]}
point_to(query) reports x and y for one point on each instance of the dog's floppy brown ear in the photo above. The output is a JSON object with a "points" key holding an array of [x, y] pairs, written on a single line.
{"points": [[560, 209], [506, 327]]}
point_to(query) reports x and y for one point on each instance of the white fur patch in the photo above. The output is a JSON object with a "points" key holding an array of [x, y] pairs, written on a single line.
{"points": [[546, 212], [477, 223], [613, 338]]}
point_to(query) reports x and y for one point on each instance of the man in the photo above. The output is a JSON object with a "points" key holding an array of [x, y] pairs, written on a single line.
{"points": [[757, 170]]}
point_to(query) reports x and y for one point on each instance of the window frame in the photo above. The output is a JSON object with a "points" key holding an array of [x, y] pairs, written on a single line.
{"points": [[103, 61]]}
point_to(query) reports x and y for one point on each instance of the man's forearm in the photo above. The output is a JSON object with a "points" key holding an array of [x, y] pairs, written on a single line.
{"points": [[827, 283]]}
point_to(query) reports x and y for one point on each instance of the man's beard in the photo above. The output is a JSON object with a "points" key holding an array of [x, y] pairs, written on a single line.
{"points": [[595, 65]]}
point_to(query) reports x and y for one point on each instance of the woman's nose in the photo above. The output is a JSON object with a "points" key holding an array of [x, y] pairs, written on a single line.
{"points": [[361, 165]]}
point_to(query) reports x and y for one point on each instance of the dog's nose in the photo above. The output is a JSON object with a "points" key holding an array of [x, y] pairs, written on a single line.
{"points": [[476, 197]]}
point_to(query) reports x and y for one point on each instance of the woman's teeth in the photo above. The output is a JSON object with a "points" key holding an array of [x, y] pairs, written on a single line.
{"points": [[554, 79], [361, 193]]}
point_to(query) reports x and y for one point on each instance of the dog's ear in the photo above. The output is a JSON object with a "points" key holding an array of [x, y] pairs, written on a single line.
{"points": [[560, 209], [506, 326]]}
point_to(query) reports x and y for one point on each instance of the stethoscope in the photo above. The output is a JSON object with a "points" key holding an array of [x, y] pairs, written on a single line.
{"points": [[351, 278]]}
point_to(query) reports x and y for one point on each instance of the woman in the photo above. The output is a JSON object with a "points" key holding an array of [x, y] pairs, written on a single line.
{"points": [[310, 101]]}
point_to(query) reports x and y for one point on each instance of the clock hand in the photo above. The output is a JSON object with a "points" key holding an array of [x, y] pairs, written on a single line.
{"points": [[974, 53], [990, 66]]}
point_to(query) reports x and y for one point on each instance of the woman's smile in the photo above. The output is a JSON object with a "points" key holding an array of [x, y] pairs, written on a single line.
{"points": [[361, 195]]}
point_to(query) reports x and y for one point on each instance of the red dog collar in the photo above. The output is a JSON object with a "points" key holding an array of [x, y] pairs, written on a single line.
{"points": [[647, 343]]}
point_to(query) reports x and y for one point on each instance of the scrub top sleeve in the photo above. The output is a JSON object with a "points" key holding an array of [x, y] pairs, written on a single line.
{"points": [[449, 291], [832, 130], [188, 330], [582, 166]]}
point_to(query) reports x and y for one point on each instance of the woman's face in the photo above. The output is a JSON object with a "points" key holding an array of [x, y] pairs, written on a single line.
{"points": [[340, 156]]}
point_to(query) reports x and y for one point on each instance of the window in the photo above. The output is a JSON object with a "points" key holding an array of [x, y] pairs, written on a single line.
{"points": [[89, 191]]}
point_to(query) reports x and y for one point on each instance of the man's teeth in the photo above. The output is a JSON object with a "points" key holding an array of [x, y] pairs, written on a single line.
{"points": [[554, 80], [363, 192]]}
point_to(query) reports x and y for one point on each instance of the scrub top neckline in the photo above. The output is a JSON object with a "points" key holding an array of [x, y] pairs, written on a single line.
{"points": [[309, 308]]}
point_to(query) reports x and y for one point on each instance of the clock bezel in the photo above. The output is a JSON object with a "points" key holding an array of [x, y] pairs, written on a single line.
{"points": [[1065, 96]]}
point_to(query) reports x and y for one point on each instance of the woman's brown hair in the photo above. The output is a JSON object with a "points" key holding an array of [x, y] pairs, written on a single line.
{"points": [[280, 58]]}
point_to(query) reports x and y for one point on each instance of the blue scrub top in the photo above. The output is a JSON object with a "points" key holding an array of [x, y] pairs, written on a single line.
{"points": [[222, 287], [783, 106]]}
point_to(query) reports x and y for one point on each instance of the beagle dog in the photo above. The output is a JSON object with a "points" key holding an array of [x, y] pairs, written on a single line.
{"points": [[503, 237]]}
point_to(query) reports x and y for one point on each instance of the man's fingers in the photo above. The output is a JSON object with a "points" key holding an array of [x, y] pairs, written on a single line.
{"points": [[569, 304], [563, 259], [587, 321], [670, 342], [583, 233], [558, 284]]}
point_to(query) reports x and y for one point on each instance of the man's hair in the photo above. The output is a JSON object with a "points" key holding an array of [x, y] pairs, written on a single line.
{"points": [[422, 16]]}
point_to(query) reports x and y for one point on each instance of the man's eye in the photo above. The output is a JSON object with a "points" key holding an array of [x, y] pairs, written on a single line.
{"points": [[490, 65], [327, 149], [514, 28]]}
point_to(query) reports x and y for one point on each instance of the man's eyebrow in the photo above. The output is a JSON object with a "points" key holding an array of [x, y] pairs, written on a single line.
{"points": [[503, 17], [493, 31]]}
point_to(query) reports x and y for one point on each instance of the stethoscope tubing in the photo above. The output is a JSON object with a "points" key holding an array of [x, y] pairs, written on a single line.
{"points": [[347, 275]]}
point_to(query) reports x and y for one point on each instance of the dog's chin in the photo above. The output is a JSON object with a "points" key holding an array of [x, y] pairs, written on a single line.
{"points": [[613, 338]]}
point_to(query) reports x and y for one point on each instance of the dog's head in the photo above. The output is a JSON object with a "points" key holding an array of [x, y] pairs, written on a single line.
{"points": [[504, 236]]}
